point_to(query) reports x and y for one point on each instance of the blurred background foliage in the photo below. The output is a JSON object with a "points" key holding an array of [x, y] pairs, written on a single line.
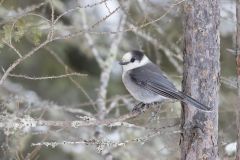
{"points": [[26, 24]]}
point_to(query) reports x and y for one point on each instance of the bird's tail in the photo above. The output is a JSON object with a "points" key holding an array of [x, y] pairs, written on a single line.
{"points": [[195, 103]]}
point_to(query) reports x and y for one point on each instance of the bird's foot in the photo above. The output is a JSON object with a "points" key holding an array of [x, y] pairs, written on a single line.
{"points": [[140, 107]]}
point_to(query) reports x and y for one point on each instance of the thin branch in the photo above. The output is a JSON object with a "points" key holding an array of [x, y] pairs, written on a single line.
{"points": [[155, 42], [21, 96], [106, 17], [67, 69], [84, 92], [46, 77], [162, 33], [51, 31], [79, 7], [90, 31], [21, 59], [25, 11], [106, 5], [15, 49], [105, 75], [11, 122], [104, 143], [90, 41], [19, 123]]}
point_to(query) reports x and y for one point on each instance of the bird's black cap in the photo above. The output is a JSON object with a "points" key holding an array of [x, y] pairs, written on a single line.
{"points": [[138, 55]]}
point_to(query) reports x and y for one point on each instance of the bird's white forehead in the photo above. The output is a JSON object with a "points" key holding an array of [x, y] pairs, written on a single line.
{"points": [[127, 56]]}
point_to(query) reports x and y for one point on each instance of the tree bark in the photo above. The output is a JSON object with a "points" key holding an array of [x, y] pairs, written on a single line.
{"points": [[201, 79], [238, 77]]}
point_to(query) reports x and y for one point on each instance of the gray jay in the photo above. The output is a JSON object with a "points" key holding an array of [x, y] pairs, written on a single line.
{"points": [[147, 83]]}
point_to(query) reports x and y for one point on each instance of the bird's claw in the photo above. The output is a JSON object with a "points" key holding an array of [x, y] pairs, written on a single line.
{"points": [[139, 108]]}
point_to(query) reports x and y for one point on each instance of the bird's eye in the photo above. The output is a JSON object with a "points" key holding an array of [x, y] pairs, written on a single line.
{"points": [[132, 59]]}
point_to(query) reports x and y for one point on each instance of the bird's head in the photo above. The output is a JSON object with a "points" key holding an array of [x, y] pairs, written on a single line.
{"points": [[133, 59]]}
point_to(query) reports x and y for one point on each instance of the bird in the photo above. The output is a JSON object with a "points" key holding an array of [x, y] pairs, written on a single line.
{"points": [[147, 83]]}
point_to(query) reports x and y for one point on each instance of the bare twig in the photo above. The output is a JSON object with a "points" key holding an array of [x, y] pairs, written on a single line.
{"points": [[19, 123], [51, 32], [90, 41], [155, 42], [106, 17], [18, 61], [15, 123], [79, 7], [163, 130], [67, 69], [90, 31], [105, 75], [46, 77], [15, 49], [21, 59], [25, 11]]}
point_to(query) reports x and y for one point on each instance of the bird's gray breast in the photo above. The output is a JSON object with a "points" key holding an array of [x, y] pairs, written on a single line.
{"points": [[138, 92]]}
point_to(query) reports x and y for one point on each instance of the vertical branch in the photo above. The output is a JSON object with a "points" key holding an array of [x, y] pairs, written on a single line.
{"points": [[201, 79], [95, 52], [105, 75], [51, 31], [238, 77]]}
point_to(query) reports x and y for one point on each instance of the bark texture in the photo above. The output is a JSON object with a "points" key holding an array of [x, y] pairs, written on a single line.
{"points": [[201, 79], [238, 77]]}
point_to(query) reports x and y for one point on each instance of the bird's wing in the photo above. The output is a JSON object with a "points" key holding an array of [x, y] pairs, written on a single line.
{"points": [[152, 79]]}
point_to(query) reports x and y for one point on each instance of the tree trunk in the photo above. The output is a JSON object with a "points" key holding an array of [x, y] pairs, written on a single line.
{"points": [[238, 77], [201, 79]]}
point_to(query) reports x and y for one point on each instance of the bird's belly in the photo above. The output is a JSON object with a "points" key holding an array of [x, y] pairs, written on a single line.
{"points": [[139, 93]]}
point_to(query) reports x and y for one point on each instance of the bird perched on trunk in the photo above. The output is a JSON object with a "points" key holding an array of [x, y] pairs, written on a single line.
{"points": [[147, 83]]}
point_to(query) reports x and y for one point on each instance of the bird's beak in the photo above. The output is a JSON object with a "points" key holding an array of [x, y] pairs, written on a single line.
{"points": [[123, 63]]}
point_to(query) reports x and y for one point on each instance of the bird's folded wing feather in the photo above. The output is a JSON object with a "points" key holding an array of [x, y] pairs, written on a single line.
{"points": [[152, 79]]}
